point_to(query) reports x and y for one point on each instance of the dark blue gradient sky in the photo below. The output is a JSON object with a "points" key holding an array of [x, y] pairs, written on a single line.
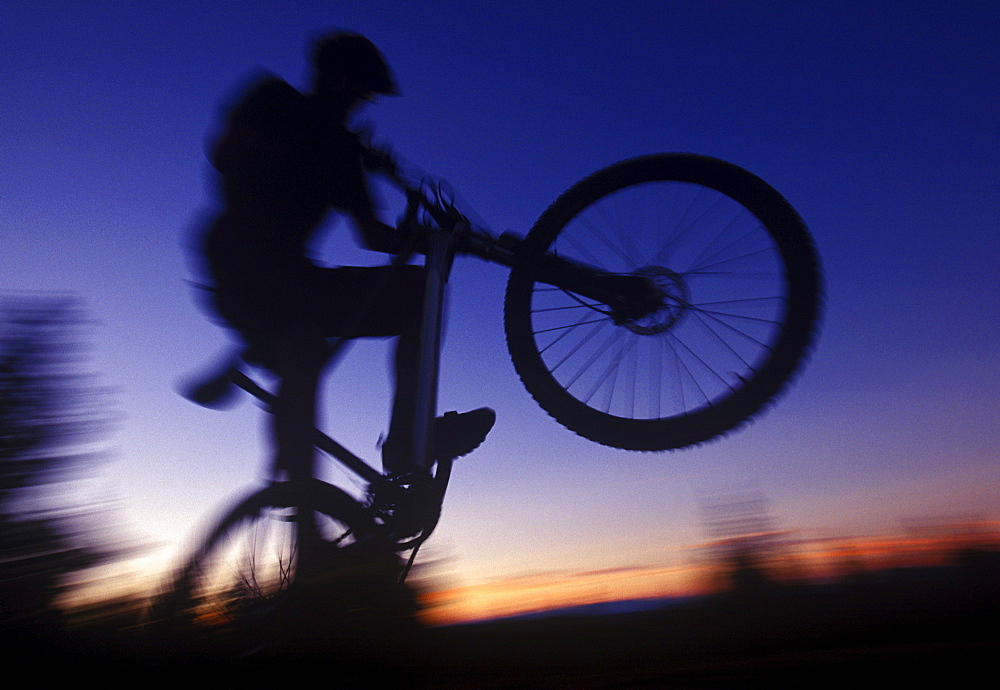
{"points": [[878, 123]]}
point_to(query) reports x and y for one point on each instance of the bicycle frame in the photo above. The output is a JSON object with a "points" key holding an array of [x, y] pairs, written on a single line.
{"points": [[627, 296]]}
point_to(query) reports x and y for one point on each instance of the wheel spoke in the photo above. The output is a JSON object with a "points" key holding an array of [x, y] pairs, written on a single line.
{"points": [[590, 361], [626, 250], [701, 305], [576, 348], [600, 236], [704, 268], [687, 368], [569, 306], [657, 380], [684, 228], [565, 332], [572, 325], [711, 315], [715, 314], [610, 372], [724, 342], [705, 257]]}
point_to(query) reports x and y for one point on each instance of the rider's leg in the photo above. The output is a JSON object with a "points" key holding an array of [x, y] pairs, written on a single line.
{"points": [[453, 434], [397, 450], [300, 365], [378, 302], [300, 360], [388, 301]]}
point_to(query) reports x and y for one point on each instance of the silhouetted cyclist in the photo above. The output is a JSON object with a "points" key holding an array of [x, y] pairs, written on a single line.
{"points": [[287, 159]]}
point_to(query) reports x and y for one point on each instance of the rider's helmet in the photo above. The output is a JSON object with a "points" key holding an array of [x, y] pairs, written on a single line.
{"points": [[353, 55]]}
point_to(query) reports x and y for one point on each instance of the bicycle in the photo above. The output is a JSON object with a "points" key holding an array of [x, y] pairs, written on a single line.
{"points": [[636, 340]]}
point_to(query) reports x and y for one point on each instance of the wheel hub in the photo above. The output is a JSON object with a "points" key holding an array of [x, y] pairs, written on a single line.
{"points": [[673, 300]]}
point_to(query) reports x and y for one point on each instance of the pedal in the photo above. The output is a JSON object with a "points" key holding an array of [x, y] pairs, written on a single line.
{"points": [[216, 393]]}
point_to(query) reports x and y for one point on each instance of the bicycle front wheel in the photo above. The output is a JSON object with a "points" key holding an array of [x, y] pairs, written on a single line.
{"points": [[738, 285]]}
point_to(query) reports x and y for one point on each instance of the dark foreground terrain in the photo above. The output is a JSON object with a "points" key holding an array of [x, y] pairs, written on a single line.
{"points": [[791, 643], [931, 626], [657, 649]]}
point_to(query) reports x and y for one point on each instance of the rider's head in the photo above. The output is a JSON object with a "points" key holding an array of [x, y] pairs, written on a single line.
{"points": [[348, 65]]}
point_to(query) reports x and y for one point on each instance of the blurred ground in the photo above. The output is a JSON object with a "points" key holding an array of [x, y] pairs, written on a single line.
{"points": [[926, 625]]}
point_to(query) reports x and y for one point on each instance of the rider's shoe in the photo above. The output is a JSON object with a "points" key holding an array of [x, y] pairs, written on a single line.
{"points": [[457, 434]]}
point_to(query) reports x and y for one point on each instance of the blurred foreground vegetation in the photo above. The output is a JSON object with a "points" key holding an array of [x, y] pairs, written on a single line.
{"points": [[52, 418]]}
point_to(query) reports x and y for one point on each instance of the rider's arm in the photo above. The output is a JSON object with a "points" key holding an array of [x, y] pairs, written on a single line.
{"points": [[371, 232]]}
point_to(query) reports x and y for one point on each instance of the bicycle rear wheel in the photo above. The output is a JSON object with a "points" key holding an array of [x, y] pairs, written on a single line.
{"points": [[738, 285], [254, 555]]}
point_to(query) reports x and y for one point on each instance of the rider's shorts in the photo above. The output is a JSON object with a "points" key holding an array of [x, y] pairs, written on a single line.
{"points": [[304, 300]]}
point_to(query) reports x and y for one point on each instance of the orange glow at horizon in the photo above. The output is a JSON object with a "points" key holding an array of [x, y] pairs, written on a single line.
{"points": [[695, 570], [802, 560], [560, 589]]}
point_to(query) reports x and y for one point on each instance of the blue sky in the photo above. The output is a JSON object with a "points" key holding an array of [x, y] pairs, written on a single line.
{"points": [[876, 121]]}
